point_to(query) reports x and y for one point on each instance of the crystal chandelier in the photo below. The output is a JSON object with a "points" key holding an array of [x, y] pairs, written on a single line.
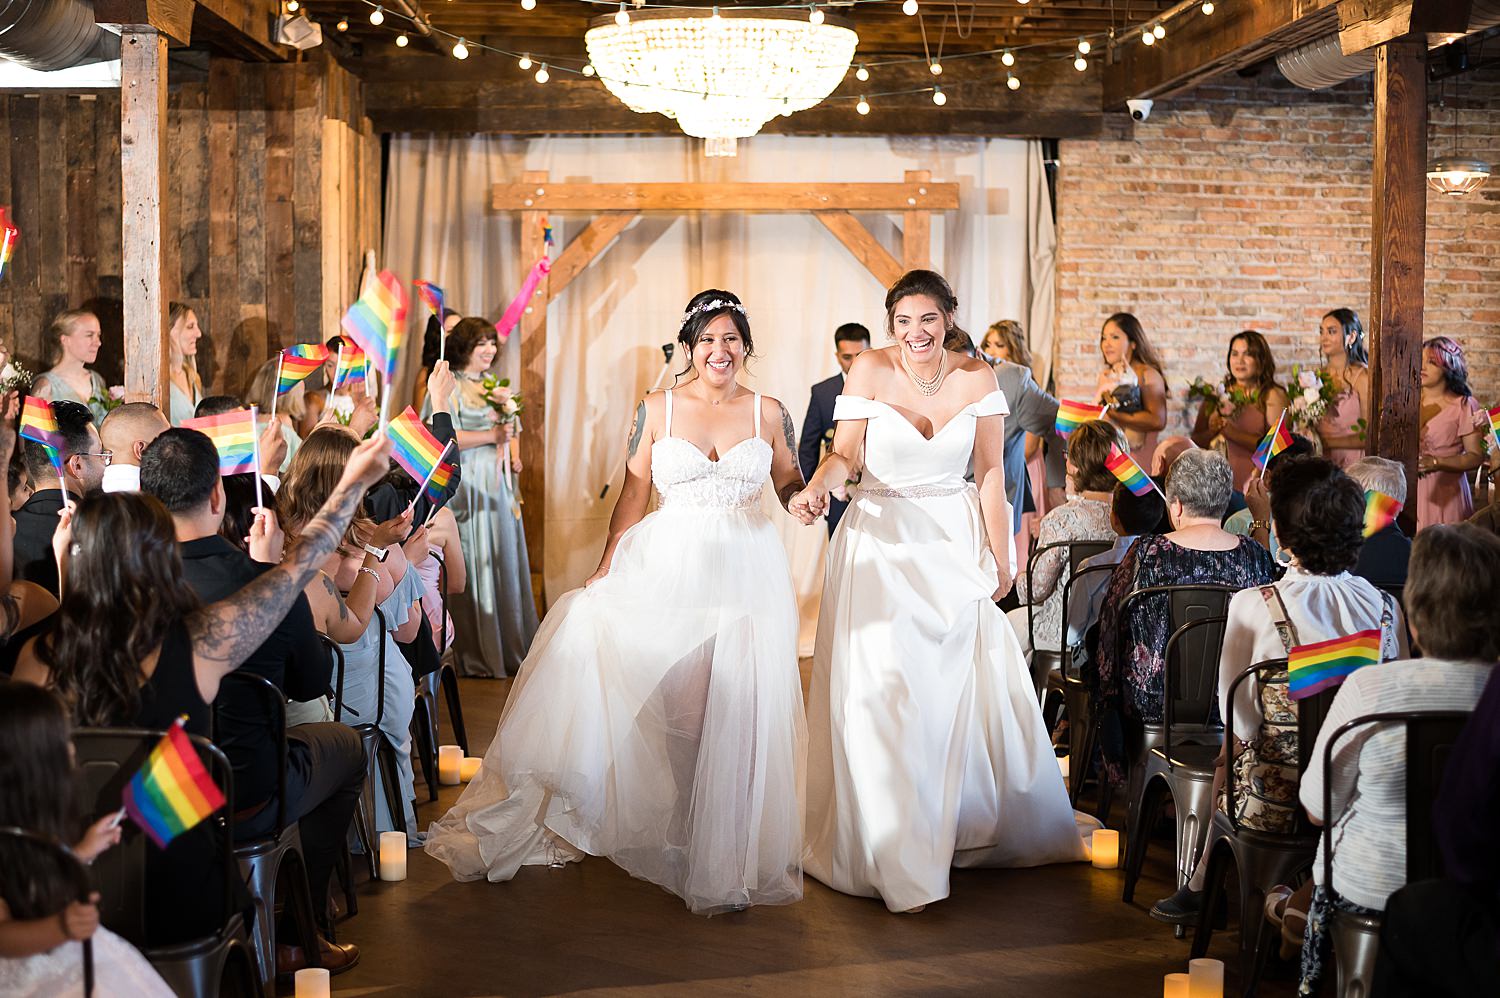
{"points": [[720, 75]]}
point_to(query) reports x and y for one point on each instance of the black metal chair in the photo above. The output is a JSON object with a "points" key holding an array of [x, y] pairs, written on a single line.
{"points": [[33, 852], [264, 862], [345, 870], [217, 964], [1183, 770], [380, 754], [1398, 592], [1430, 736], [1261, 859], [447, 675], [1078, 701], [1045, 660]]}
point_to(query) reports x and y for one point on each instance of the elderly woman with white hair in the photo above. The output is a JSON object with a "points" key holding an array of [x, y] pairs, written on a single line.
{"points": [[1387, 549]]}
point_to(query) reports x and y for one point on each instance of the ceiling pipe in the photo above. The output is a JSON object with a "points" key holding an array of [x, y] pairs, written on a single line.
{"points": [[1321, 63], [47, 35]]}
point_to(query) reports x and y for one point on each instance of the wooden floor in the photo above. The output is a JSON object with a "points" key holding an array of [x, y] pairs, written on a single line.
{"points": [[1057, 931]]}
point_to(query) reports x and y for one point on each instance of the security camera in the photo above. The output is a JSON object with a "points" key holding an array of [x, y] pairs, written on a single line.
{"points": [[1140, 110]]}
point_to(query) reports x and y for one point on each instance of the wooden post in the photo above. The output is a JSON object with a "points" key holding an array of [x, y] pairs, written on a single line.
{"points": [[533, 332], [916, 233], [143, 191], [1397, 244]]}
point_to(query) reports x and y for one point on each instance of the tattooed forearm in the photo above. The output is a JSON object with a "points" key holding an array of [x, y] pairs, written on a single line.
{"points": [[787, 431], [638, 429], [788, 490]]}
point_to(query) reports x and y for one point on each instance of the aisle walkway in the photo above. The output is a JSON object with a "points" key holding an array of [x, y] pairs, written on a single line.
{"points": [[1056, 932]]}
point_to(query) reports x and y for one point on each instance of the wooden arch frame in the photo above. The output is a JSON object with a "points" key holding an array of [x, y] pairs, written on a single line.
{"points": [[616, 205]]}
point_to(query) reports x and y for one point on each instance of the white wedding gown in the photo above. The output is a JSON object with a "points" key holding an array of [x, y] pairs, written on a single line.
{"points": [[927, 748], [657, 719]]}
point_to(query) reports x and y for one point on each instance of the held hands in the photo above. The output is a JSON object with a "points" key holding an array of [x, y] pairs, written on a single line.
{"points": [[440, 384], [266, 540], [808, 504]]}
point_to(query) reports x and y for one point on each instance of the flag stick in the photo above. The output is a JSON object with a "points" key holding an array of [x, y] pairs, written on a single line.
{"points": [[61, 482], [276, 391], [333, 386], [432, 471], [385, 402], [1274, 434], [442, 339], [255, 449]]}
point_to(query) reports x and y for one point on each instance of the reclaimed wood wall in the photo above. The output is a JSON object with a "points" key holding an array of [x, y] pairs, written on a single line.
{"points": [[274, 181]]}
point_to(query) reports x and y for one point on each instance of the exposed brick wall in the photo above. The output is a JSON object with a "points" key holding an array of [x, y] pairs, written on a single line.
{"points": [[1246, 205]]}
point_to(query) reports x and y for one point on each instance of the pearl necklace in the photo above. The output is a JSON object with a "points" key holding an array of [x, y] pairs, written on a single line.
{"points": [[928, 387]]}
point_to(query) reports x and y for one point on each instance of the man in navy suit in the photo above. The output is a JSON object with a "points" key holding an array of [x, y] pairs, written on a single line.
{"points": [[849, 341]]}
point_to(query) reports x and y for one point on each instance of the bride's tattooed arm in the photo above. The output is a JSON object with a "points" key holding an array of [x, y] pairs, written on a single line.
{"points": [[786, 473], [637, 429]]}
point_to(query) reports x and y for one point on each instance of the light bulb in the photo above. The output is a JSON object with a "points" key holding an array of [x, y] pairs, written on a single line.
{"points": [[1160, 31], [525, 61], [1147, 38], [1083, 46], [1023, 2], [528, 4], [588, 69], [377, 16], [542, 76], [292, 6], [402, 41], [862, 74], [816, 17], [938, 97], [1208, 6], [622, 16], [715, 15], [343, 24], [1006, 59], [1012, 81], [936, 69], [460, 50], [1080, 64], [909, 7], [863, 107]]}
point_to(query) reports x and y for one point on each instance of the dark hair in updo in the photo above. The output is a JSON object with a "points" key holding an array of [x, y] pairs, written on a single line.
{"points": [[920, 282], [465, 336], [697, 321], [1318, 512]]}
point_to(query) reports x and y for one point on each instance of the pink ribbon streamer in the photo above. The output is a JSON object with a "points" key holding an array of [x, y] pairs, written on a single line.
{"points": [[518, 303]]}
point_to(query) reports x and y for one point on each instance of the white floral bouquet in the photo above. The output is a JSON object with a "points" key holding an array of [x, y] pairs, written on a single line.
{"points": [[343, 408], [14, 377], [1312, 392]]}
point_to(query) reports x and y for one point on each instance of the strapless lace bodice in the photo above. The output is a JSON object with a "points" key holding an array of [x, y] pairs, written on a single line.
{"points": [[685, 477]]}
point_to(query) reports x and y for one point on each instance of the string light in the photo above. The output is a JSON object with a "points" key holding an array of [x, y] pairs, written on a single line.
{"points": [[1084, 46], [528, 4], [292, 6], [1013, 81], [938, 97], [525, 61], [862, 74], [343, 24], [1006, 59], [936, 69], [588, 69], [1208, 6], [460, 50], [542, 76], [816, 15], [622, 16], [402, 41], [377, 16], [1080, 64], [909, 8], [1147, 38], [1160, 31], [863, 107], [715, 15]]}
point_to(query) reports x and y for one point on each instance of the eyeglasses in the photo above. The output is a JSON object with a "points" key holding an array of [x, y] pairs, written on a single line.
{"points": [[107, 456]]}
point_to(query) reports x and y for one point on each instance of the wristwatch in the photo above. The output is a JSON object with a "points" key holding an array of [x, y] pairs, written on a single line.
{"points": [[379, 553], [1260, 525]]}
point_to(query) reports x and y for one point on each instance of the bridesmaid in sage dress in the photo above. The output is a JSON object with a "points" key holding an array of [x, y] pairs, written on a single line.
{"points": [[1341, 340], [75, 337], [494, 618]]}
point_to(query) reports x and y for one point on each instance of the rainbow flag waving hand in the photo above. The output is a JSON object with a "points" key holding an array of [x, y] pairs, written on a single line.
{"points": [[1277, 439], [420, 454]]}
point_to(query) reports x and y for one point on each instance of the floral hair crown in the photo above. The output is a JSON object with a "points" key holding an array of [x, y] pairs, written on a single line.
{"points": [[712, 306]]}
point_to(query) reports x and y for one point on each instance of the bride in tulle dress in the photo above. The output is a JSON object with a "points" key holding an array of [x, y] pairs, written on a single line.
{"points": [[927, 748], [657, 719]]}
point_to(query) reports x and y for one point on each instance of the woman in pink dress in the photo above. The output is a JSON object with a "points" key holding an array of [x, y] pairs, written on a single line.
{"points": [[1252, 376], [1004, 341], [1341, 340], [1452, 435], [1133, 383]]}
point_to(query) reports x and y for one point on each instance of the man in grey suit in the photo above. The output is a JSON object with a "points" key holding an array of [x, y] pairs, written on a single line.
{"points": [[849, 341]]}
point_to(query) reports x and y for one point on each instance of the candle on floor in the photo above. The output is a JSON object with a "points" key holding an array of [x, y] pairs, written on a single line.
{"points": [[311, 982], [1205, 978], [450, 759], [1175, 986], [1105, 848], [392, 855], [469, 768]]}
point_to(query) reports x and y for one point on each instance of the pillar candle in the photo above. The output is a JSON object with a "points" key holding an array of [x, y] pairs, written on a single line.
{"points": [[450, 759], [311, 982], [1105, 847], [392, 855], [469, 768], [1205, 978], [1175, 986]]}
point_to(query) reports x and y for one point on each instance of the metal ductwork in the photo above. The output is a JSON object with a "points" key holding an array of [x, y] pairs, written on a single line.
{"points": [[46, 35], [1321, 63]]}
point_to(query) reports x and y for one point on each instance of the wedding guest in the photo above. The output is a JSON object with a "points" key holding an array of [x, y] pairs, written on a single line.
{"points": [[849, 341], [1453, 428], [1251, 403], [1133, 383], [1384, 556], [1341, 341], [432, 348], [290, 407], [123, 435], [1254, 520], [1005, 343], [1130, 516], [74, 337], [83, 464], [186, 386]]}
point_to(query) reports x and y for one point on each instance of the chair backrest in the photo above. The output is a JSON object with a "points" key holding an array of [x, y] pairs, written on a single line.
{"points": [[355, 720], [1272, 670], [1398, 593], [1430, 736], [442, 595], [337, 655], [107, 759], [1184, 605], [1067, 598], [272, 705], [1190, 673], [1077, 552]]}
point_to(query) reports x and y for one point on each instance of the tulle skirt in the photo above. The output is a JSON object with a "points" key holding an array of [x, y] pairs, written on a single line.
{"points": [[657, 721]]}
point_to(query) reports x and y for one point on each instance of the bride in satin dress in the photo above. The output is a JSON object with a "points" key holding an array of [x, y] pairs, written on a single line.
{"points": [[927, 748], [657, 719]]}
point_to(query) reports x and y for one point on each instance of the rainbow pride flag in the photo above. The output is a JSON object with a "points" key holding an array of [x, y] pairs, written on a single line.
{"points": [[9, 236], [351, 367], [1123, 467], [39, 425], [172, 792], [234, 435], [297, 362], [1325, 664], [1494, 415], [437, 485], [414, 447], [1277, 439], [1070, 415], [377, 321], [1380, 511], [432, 296]]}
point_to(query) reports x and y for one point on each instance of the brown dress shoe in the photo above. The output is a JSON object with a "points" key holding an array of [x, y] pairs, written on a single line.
{"points": [[337, 957]]}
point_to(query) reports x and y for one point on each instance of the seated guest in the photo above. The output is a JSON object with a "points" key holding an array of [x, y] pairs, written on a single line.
{"points": [[1383, 558], [134, 647], [1451, 595], [273, 442], [1254, 521], [1084, 517], [1198, 552], [1488, 517], [290, 408], [83, 471], [325, 764], [17, 481], [1130, 516], [217, 405], [40, 910], [24, 606], [1319, 513], [124, 433]]}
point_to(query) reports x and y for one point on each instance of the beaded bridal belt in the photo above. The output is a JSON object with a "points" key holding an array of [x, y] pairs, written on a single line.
{"points": [[918, 491]]}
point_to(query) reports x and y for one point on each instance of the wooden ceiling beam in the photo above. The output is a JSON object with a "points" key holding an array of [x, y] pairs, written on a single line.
{"points": [[1364, 24], [678, 197]]}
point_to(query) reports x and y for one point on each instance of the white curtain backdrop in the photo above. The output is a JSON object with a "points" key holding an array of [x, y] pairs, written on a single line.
{"points": [[798, 283]]}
